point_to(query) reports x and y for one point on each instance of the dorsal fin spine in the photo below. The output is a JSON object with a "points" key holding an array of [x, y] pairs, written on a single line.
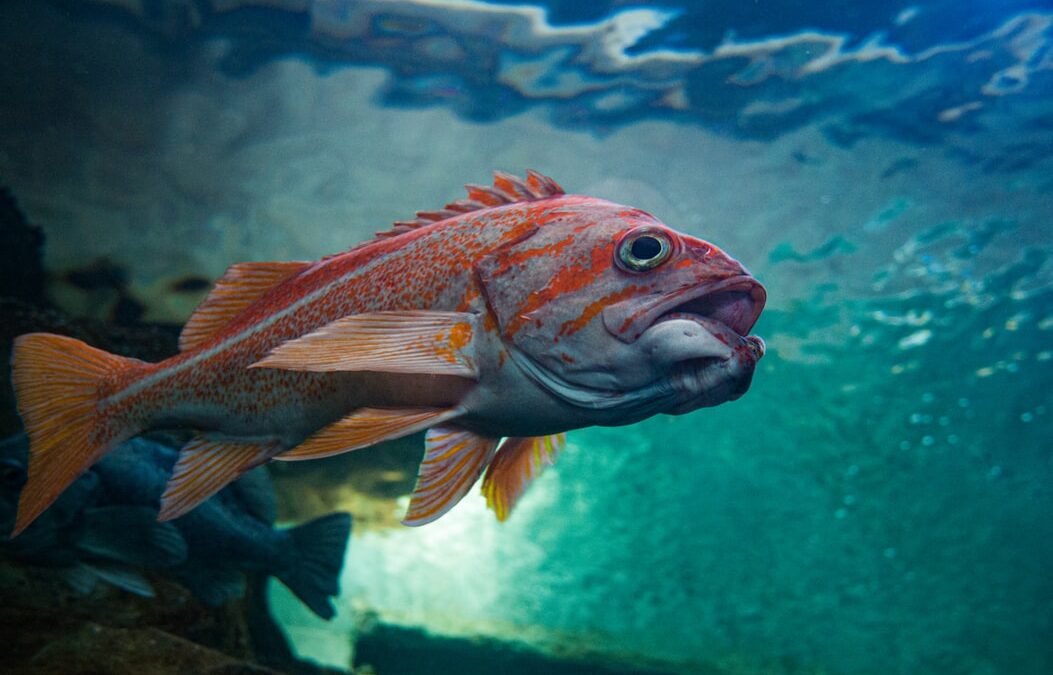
{"points": [[507, 189]]}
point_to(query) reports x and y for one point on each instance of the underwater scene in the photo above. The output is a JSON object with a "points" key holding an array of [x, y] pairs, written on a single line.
{"points": [[708, 338]]}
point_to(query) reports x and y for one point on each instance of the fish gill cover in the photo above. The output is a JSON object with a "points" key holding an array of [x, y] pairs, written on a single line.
{"points": [[878, 503]]}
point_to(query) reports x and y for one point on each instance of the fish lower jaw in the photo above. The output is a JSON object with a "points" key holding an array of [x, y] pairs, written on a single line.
{"points": [[693, 378], [707, 382]]}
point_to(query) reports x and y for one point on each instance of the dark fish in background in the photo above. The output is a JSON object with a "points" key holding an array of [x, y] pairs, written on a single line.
{"points": [[83, 537], [103, 519]]}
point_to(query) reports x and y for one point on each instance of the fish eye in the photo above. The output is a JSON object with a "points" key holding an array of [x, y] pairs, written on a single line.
{"points": [[644, 250]]}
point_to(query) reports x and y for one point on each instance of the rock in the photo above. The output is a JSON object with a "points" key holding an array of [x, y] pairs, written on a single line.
{"points": [[21, 269], [94, 648], [110, 631]]}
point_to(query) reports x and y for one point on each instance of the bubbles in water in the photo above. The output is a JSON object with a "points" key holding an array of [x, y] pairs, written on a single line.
{"points": [[1026, 417], [849, 500], [890, 552], [963, 402], [994, 472], [928, 441], [943, 420], [953, 439], [840, 513], [927, 397]]}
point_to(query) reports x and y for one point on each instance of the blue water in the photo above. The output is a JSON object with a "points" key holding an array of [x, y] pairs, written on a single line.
{"points": [[879, 502]]}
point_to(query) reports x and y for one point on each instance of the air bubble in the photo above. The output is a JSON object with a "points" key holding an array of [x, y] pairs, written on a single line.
{"points": [[953, 439], [840, 514], [994, 472], [928, 441], [852, 470], [944, 420], [915, 418], [849, 500], [890, 552], [927, 397], [1026, 417], [963, 403]]}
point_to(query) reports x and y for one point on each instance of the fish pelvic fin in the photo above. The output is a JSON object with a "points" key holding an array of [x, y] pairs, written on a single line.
{"points": [[314, 577], [59, 383], [454, 458], [518, 462], [204, 467]]}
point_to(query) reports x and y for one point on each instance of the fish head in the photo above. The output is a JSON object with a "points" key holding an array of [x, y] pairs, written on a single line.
{"points": [[617, 314]]}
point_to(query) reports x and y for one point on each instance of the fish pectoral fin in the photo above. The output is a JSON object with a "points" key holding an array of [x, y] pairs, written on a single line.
{"points": [[241, 285], [454, 458], [519, 461], [421, 342], [204, 467], [366, 427]]}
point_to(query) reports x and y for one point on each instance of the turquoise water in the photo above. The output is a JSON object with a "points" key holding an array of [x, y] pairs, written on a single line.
{"points": [[879, 502]]}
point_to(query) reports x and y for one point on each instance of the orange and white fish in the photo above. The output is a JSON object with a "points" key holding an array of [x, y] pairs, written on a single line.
{"points": [[517, 314]]}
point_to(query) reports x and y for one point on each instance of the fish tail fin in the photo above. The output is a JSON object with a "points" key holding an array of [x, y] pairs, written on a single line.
{"points": [[314, 577], [58, 383]]}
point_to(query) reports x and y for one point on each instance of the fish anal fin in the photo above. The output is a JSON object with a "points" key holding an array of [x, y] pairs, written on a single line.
{"points": [[421, 342], [454, 458], [366, 427], [518, 462], [204, 467], [241, 285]]}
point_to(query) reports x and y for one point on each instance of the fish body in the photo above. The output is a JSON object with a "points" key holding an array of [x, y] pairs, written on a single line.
{"points": [[518, 313]]}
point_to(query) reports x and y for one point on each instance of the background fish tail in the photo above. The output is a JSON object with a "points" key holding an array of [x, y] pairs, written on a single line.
{"points": [[59, 383], [314, 575]]}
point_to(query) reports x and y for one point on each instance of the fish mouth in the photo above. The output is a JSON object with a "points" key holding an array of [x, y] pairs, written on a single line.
{"points": [[735, 302]]}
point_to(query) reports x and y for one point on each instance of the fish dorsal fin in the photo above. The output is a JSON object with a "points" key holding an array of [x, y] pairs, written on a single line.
{"points": [[454, 458], [241, 285], [518, 462], [507, 189]]}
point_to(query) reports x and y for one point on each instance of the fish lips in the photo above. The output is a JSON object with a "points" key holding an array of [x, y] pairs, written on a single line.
{"points": [[697, 335], [736, 302]]}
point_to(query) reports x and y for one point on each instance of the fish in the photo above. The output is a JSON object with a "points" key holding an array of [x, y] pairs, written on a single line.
{"points": [[495, 325], [107, 527]]}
